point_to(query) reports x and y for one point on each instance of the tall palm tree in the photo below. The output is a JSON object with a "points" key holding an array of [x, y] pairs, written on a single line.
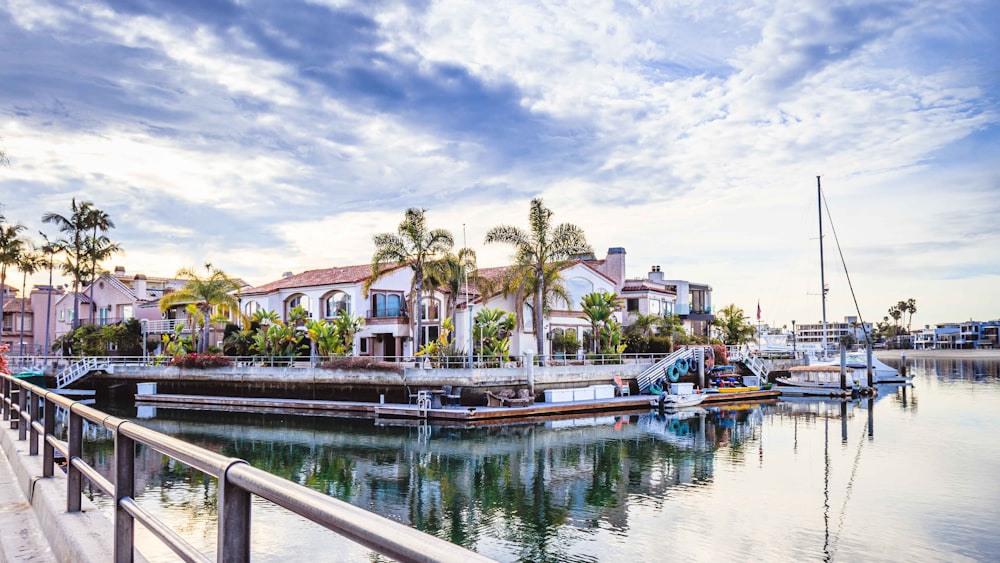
{"points": [[412, 244], [452, 271], [204, 293], [29, 262], [11, 247], [543, 244], [74, 245], [98, 248], [911, 307]]}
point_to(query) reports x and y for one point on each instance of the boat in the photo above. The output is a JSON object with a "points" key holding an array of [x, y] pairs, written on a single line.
{"points": [[816, 380], [34, 377], [678, 396], [881, 372]]}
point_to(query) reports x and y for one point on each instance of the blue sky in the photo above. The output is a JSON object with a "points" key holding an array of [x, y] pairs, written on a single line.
{"points": [[267, 137]]}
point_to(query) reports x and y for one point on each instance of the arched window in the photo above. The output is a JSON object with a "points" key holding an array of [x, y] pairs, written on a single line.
{"points": [[298, 300], [251, 307], [336, 302], [577, 288], [528, 318], [430, 309]]}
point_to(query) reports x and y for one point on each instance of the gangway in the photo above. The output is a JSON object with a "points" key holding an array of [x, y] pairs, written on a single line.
{"points": [[80, 369], [659, 369], [753, 362]]}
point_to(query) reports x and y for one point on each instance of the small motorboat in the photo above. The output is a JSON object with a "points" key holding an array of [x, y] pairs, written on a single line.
{"points": [[678, 396]]}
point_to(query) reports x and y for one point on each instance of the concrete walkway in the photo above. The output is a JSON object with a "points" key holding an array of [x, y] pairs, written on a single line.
{"points": [[21, 537]]}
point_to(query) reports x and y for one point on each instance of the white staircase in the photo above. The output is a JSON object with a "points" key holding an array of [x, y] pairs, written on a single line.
{"points": [[658, 370], [753, 362], [79, 369]]}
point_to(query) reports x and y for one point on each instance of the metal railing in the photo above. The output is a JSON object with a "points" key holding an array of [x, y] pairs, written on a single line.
{"points": [[32, 410]]}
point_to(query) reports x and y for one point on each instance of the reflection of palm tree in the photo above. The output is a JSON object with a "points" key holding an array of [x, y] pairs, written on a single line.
{"points": [[537, 248]]}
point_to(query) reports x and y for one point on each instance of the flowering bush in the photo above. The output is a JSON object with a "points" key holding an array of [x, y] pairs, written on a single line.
{"points": [[200, 361]]}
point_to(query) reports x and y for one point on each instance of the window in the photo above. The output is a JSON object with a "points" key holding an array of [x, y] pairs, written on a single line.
{"points": [[386, 305], [528, 318], [430, 309], [363, 346], [335, 303], [632, 305], [126, 312], [298, 300], [251, 307], [654, 307], [577, 288], [102, 315]]}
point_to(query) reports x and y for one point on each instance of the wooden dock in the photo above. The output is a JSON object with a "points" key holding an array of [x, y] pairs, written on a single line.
{"points": [[467, 414]]}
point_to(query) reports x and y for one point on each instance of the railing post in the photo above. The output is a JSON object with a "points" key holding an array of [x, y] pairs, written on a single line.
{"points": [[74, 479], [35, 406], [124, 489], [48, 451], [5, 392], [22, 405], [234, 520]]}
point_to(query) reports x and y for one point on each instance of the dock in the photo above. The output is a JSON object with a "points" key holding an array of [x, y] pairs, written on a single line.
{"points": [[453, 413]]}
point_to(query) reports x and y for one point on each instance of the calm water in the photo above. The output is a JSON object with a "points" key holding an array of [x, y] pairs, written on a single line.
{"points": [[912, 476]]}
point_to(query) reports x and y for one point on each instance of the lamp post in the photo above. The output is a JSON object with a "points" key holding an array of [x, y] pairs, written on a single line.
{"points": [[48, 305]]}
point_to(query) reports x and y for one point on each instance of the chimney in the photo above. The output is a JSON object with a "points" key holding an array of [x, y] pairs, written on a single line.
{"points": [[119, 271], [614, 265], [655, 274], [286, 275], [139, 286]]}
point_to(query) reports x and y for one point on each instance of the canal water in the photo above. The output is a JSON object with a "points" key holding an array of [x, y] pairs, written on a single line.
{"points": [[911, 475]]}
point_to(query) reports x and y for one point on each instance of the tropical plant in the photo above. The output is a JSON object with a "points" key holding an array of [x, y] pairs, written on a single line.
{"points": [[566, 342], [599, 308], [734, 325], [12, 245], [347, 327], [610, 335], [491, 330], [438, 351], [176, 344], [413, 244], [452, 271], [205, 293], [99, 248], [29, 262], [537, 248], [74, 245], [672, 326]]}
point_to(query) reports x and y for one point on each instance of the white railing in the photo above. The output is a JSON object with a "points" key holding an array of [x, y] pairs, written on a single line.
{"points": [[77, 370], [165, 326]]}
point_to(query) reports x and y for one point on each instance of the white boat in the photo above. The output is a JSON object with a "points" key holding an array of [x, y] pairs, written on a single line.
{"points": [[881, 372], [816, 380], [678, 401]]}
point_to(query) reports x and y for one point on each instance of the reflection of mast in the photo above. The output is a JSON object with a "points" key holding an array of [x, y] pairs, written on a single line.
{"points": [[826, 489]]}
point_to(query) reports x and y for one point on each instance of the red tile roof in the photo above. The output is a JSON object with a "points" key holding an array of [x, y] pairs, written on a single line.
{"points": [[310, 278]]}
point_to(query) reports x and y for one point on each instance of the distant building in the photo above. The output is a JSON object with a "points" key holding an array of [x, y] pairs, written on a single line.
{"points": [[970, 335], [811, 335]]}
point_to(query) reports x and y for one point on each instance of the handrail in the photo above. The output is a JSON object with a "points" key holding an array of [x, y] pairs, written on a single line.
{"points": [[237, 482]]}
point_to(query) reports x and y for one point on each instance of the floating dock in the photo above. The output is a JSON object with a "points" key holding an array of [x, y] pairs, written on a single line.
{"points": [[467, 414]]}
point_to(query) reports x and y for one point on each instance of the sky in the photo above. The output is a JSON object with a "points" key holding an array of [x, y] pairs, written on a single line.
{"points": [[266, 137]]}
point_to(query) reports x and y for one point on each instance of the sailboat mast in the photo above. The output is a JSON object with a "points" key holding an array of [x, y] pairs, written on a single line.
{"points": [[822, 273]]}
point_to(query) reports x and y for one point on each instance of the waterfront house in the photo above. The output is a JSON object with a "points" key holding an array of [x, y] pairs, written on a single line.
{"points": [[325, 292]]}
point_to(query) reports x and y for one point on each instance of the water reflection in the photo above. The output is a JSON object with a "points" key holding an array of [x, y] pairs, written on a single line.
{"points": [[595, 488]]}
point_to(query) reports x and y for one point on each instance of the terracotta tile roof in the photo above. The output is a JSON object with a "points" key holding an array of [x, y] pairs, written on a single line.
{"points": [[310, 278], [644, 285], [13, 305]]}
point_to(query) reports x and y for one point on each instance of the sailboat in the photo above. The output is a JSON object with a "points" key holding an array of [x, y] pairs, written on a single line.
{"points": [[858, 360]]}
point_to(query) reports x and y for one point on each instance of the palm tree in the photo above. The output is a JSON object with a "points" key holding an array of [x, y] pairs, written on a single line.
{"points": [[74, 244], [415, 245], [451, 271], [911, 307], [11, 247], [98, 248], [599, 307], [896, 312], [734, 325], [205, 293], [29, 262], [543, 245]]}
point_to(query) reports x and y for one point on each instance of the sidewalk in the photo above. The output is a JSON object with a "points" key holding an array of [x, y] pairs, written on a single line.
{"points": [[21, 537]]}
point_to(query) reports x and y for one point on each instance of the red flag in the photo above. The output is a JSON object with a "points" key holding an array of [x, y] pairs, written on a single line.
{"points": [[758, 309]]}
